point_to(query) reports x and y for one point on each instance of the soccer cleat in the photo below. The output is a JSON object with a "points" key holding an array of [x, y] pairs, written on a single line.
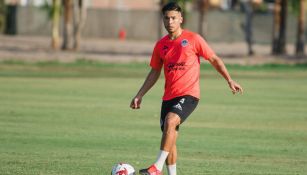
{"points": [[152, 170]]}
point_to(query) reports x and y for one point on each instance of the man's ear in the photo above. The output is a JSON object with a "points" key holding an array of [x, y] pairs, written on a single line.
{"points": [[181, 19]]}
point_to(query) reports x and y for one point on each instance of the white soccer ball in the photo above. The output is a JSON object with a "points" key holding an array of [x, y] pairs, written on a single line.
{"points": [[123, 169]]}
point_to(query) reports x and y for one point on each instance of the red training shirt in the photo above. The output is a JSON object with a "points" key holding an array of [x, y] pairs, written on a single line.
{"points": [[180, 58]]}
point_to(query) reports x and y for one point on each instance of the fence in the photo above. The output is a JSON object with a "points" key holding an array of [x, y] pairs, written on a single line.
{"points": [[223, 26]]}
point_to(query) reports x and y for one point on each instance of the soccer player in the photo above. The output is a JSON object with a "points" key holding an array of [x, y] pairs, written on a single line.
{"points": [[179, 54]]}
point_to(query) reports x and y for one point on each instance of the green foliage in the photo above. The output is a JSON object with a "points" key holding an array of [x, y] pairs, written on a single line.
{"points": [[47, 7], [182, 4], [50, 8], [294, 6]]}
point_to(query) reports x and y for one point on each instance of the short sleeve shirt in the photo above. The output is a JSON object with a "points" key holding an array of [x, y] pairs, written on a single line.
{"points": [[180, 59]]}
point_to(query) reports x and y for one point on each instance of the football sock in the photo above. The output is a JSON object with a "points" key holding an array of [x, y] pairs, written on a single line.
{"points": [[161, 159], [171, 169]]}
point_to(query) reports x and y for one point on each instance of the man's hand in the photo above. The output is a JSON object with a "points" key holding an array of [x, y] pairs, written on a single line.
{"points": [[136, 103], [219, 65], [235, 87], [151, 79]]}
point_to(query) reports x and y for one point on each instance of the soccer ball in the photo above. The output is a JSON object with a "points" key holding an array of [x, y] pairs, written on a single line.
{"points": [[123, 169]]}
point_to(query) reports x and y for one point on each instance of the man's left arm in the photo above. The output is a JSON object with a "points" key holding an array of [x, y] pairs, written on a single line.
{"points": [[219, 65]]}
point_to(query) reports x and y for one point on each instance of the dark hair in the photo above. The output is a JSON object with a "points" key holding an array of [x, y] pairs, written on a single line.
{"points": [[172, 6]]}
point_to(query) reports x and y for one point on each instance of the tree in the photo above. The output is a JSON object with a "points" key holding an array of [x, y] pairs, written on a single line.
{"points": [[68, 25], [202, 7], [11, 17], [300, 41], [2, 16], [279, 27], [247, 7], [55, 15], [73, 12], [74, 19], [80, 17]]}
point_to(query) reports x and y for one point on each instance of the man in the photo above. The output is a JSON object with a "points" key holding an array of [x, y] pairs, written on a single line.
{"points": [[178, 52]]}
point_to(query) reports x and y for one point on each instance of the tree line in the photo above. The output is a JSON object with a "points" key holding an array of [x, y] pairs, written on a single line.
{"points": [[74, 13]]}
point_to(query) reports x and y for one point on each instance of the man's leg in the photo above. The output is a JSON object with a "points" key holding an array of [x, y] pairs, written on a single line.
{"points": [[168, 140], [170, 121], [171, 159], [169, 133]]}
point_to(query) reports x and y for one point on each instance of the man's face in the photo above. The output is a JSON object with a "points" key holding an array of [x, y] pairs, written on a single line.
{"points": [[172, 21]]}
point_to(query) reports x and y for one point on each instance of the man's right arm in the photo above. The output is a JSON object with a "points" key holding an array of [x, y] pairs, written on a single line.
{"points": [[150, 80]]}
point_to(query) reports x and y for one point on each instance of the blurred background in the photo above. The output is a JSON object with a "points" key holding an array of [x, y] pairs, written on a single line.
{"points": [[262, 29]]}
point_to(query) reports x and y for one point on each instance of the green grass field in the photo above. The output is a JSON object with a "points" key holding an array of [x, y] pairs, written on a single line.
{"points": [[75, 119]]}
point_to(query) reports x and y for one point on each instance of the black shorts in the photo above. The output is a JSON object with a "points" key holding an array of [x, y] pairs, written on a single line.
{"points": [[182, 106]]}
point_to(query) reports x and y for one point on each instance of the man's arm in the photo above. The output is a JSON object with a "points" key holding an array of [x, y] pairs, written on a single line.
{"points": [[150, 80], [219, 65]]}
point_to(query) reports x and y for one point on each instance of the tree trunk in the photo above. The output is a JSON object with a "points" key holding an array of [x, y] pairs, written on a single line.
{"points": [[68, 25], [203, 6], [300, 43], [283, 26], [201, 22], [248, 25], [276, 25], [55, 41], [279, 28], [11, 19], [2, 16], [80, 14]]}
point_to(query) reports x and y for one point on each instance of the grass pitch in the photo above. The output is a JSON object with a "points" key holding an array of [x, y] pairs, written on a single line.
{"points": [[75, 119]]}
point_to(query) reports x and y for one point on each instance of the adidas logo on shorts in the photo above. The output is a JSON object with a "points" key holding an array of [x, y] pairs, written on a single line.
{"points": [[178, 106]]}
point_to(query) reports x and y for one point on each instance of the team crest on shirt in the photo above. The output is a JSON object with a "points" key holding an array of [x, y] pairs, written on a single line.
{"points": [[184, 42]]}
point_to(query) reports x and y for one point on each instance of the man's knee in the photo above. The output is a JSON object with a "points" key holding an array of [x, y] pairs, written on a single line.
{"points": [[172, 120]]}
